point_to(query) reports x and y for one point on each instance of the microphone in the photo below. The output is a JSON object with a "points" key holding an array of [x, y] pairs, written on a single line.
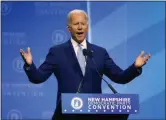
{"points": [[78, 91], [90, 54]]}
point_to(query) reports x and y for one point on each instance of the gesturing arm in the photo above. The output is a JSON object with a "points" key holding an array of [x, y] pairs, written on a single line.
{"points": [[43, 72], [116, 74]]}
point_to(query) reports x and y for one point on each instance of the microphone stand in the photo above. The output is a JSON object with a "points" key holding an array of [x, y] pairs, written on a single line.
{"points": [[89, 53]]}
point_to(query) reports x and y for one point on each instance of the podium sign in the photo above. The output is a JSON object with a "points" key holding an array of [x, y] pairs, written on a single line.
{"points": [[100, 103]]}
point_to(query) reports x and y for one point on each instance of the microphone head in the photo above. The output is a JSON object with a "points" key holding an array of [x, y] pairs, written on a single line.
{"points": [[87, 52]]}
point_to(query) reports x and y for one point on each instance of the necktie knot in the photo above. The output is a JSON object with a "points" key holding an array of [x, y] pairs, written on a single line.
{"points": [[80, 46]]}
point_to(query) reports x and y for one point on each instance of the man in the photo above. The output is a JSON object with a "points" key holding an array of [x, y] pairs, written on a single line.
{"points": [[71, 67]]}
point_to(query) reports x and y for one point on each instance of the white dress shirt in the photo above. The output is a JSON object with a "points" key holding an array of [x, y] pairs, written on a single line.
{"points": [[75, 45]]}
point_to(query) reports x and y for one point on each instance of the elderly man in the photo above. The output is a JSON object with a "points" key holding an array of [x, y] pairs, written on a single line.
{"points": [[71, 67]]}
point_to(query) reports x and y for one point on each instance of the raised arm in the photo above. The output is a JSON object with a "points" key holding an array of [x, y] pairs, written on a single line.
{"points": [[116, 74], [43, 72]]}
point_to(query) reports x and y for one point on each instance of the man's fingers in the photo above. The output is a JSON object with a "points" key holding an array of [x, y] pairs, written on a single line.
{"points": [[141, 54], [146, 58], [149, 55], [22, 52], [28, 50]]}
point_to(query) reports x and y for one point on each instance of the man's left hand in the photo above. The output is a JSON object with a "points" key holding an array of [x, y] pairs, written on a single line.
{"points": [[141, 59]]}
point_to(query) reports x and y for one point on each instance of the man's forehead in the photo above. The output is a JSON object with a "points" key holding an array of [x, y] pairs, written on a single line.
{"points": [[81, 14]]}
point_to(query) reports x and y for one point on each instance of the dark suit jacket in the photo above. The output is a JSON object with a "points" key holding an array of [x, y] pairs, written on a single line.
{"points": [[62, 62]]}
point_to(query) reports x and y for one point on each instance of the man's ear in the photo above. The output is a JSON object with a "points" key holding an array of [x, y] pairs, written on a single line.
{"points": [[68, 28]]}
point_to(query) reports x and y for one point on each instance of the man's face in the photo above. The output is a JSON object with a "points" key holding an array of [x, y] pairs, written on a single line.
{"points": [[78, 26]]}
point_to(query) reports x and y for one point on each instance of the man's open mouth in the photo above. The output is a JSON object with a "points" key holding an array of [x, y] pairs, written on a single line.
{"points": [[80, 33]]}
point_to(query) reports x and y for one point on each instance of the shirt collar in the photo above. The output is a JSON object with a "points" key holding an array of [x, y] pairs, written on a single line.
{"points": [[75, 44]]}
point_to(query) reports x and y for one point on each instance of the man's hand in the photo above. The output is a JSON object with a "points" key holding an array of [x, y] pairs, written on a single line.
{"points": [[27, 57], [141, 59]]}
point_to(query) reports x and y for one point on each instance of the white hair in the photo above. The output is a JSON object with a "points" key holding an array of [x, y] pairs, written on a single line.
{"points": [[75, 11]]}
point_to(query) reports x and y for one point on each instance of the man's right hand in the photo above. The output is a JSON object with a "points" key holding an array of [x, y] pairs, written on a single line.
{"points": [[27, 57]]}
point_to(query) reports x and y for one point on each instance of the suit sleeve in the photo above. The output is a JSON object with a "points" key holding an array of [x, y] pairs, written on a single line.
{"points": [[43, 72], [116, 74]]}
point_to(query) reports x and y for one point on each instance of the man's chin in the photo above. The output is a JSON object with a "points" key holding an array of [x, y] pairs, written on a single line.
{"points": [[80, 40]]}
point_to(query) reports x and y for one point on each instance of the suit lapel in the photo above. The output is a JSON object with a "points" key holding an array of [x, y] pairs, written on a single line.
{"points": [[73, 58], [88, 63]]}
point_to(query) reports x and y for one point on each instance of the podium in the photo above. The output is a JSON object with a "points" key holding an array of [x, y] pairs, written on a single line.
{"points": [[99, 103]]}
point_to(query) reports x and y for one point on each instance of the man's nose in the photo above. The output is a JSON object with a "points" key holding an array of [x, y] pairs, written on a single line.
{"points": [[79, 26]]}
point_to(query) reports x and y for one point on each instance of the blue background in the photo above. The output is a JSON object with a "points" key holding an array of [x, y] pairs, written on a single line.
{"points": [[123, 28]]}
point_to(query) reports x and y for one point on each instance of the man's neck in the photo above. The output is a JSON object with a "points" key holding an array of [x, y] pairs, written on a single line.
{"points": [[78, 41], [83, 43]]}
